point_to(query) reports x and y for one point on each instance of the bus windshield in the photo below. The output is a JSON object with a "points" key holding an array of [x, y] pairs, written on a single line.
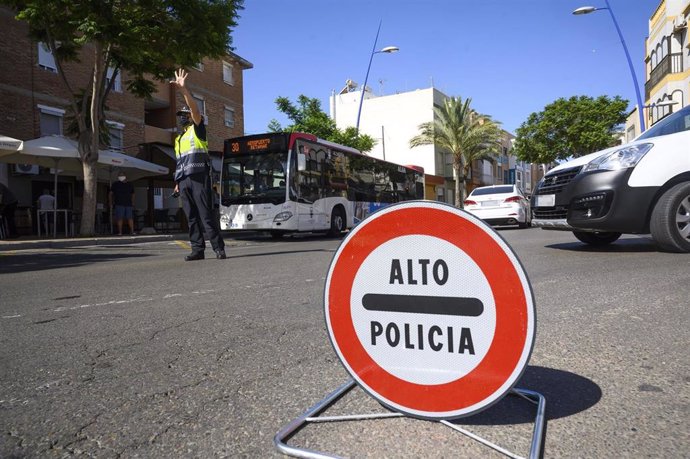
{"points": [[254, 179]]}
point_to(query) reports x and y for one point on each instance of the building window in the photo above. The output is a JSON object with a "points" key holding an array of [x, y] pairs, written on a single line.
{"points": [[51, 120], [199, 66], [229, 117], [630, 134], [201, 105], [116, 135], [45, 58], [117, 85], [227, 73]]}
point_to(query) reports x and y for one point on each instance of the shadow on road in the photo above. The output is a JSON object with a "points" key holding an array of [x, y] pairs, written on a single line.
{"points": [[566, 394], [637, 245], [281, 252], [17, 263]]}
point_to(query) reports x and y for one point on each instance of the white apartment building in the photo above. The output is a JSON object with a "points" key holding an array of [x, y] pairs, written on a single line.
{"points": [[394, 119]]}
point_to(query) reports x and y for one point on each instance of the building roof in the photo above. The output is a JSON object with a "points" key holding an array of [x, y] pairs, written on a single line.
{"points": [[243, 62]]}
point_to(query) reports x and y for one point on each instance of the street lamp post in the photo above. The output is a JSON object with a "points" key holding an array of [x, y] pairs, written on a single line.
{"points": [[387, 49], [591, 9]]}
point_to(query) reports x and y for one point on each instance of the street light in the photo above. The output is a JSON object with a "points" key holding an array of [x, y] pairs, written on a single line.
{"points": [[388, 50], [592, 9]]}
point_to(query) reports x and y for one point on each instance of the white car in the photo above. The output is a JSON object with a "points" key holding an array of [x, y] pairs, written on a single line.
{"points": [[642, 187], [499, 205]]}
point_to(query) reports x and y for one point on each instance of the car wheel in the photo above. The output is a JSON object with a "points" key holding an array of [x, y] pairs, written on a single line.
{"points": [[596, 238], [670, 223], [337, 222]]}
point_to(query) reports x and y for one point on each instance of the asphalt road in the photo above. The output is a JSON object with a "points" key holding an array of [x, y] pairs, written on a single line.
{"points": [[126, 351]]}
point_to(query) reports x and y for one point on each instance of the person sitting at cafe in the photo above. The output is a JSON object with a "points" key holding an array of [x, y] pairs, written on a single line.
{"points": [[45, 202]]}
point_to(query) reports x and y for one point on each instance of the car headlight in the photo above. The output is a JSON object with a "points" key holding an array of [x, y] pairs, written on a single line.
{"points": [[622, 158]]}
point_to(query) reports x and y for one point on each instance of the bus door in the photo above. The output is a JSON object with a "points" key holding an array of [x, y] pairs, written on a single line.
{"points": [[301, 186], [305, 215], [317, 174]]}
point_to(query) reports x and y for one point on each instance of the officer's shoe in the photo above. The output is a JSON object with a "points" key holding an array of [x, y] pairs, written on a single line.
{"points": [[194, 256], [220, 254]]}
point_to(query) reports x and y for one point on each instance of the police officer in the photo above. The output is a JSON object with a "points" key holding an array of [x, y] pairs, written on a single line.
{"points": [[193, 176]]}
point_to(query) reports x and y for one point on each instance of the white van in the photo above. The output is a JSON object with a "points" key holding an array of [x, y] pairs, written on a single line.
{"points": [[641, 187]]}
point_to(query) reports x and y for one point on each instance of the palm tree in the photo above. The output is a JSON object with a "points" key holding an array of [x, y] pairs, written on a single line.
{"points": [[461, 131]]}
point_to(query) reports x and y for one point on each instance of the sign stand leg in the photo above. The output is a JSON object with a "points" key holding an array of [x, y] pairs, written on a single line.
{"points": [[312, 415]]}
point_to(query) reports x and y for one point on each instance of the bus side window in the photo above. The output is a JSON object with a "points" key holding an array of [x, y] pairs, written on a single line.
{"points": [[301, 162]]}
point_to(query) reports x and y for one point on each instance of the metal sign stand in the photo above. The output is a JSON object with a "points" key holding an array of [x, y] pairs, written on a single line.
{"points": [[312, 415]]}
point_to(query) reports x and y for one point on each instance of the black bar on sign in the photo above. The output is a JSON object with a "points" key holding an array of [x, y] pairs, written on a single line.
{"points": [[417, 304]]}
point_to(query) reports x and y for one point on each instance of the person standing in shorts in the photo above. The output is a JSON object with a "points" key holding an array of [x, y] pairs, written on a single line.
{"points": [[122, 203]]}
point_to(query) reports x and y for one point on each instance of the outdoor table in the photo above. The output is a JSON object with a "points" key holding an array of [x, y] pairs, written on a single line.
{"points": [[45, 212]]}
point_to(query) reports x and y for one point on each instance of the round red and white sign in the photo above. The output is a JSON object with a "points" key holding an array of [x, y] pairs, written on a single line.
{"points": [[430, 310]]}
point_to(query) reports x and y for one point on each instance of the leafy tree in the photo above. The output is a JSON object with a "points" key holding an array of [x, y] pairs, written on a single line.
{"points": [[148, 40], [570, 128], [308, 117], [458, 129]]}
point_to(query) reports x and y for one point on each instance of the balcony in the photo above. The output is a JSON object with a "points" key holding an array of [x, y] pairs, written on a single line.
{"points": [[154, 134], [672, 63]]}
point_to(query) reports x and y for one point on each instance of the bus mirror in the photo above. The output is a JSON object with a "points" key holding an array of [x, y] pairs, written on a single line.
{"points": [[301, 162]]}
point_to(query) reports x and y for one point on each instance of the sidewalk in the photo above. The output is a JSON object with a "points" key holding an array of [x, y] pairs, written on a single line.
{"points": [[34, 242]]}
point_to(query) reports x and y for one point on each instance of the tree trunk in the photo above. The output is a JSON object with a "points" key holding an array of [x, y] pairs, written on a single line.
{"points": [[88, 208], [460, 173], [459, 179], [466, 174]]}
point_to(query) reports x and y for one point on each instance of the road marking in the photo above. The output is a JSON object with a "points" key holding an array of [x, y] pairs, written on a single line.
{"points": [[183, 244], [128, 301], [12, 317]]}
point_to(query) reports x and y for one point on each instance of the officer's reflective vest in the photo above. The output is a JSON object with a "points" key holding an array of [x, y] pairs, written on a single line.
{"points": [[191, 153]]}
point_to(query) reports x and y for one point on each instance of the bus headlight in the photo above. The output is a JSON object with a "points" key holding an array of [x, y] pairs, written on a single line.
{"points": [[282, 216]]}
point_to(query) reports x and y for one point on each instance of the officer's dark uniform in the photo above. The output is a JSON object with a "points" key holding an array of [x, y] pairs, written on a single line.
{"points": [[192, 175]]}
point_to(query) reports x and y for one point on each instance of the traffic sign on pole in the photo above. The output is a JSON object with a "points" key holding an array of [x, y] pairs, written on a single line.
{"points": [[430, 310]]}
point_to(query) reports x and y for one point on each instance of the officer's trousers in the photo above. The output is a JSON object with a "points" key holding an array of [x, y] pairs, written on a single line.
{"points": [[197, 202]]}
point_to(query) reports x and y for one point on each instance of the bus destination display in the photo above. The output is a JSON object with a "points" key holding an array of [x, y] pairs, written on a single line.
{"points": [[258, 144]]}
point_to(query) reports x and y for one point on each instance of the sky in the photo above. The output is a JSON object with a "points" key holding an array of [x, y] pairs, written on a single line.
{"points": [[511, 57]]}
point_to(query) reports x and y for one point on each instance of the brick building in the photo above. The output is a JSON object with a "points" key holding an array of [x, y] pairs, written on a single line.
{"points": [[34, 102]]}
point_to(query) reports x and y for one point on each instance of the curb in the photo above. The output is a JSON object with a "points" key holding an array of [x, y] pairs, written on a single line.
{"points": [[81, 242]]}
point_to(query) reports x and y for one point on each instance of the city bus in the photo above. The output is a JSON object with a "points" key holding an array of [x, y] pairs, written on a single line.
{"points": [[286, 183]]}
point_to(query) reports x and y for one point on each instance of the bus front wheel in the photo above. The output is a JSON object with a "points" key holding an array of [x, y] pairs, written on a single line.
{"points": [[337, 222]]}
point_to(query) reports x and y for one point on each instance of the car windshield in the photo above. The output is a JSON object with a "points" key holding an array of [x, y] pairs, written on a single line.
{"points": [[677, 122], [492, 190]]}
